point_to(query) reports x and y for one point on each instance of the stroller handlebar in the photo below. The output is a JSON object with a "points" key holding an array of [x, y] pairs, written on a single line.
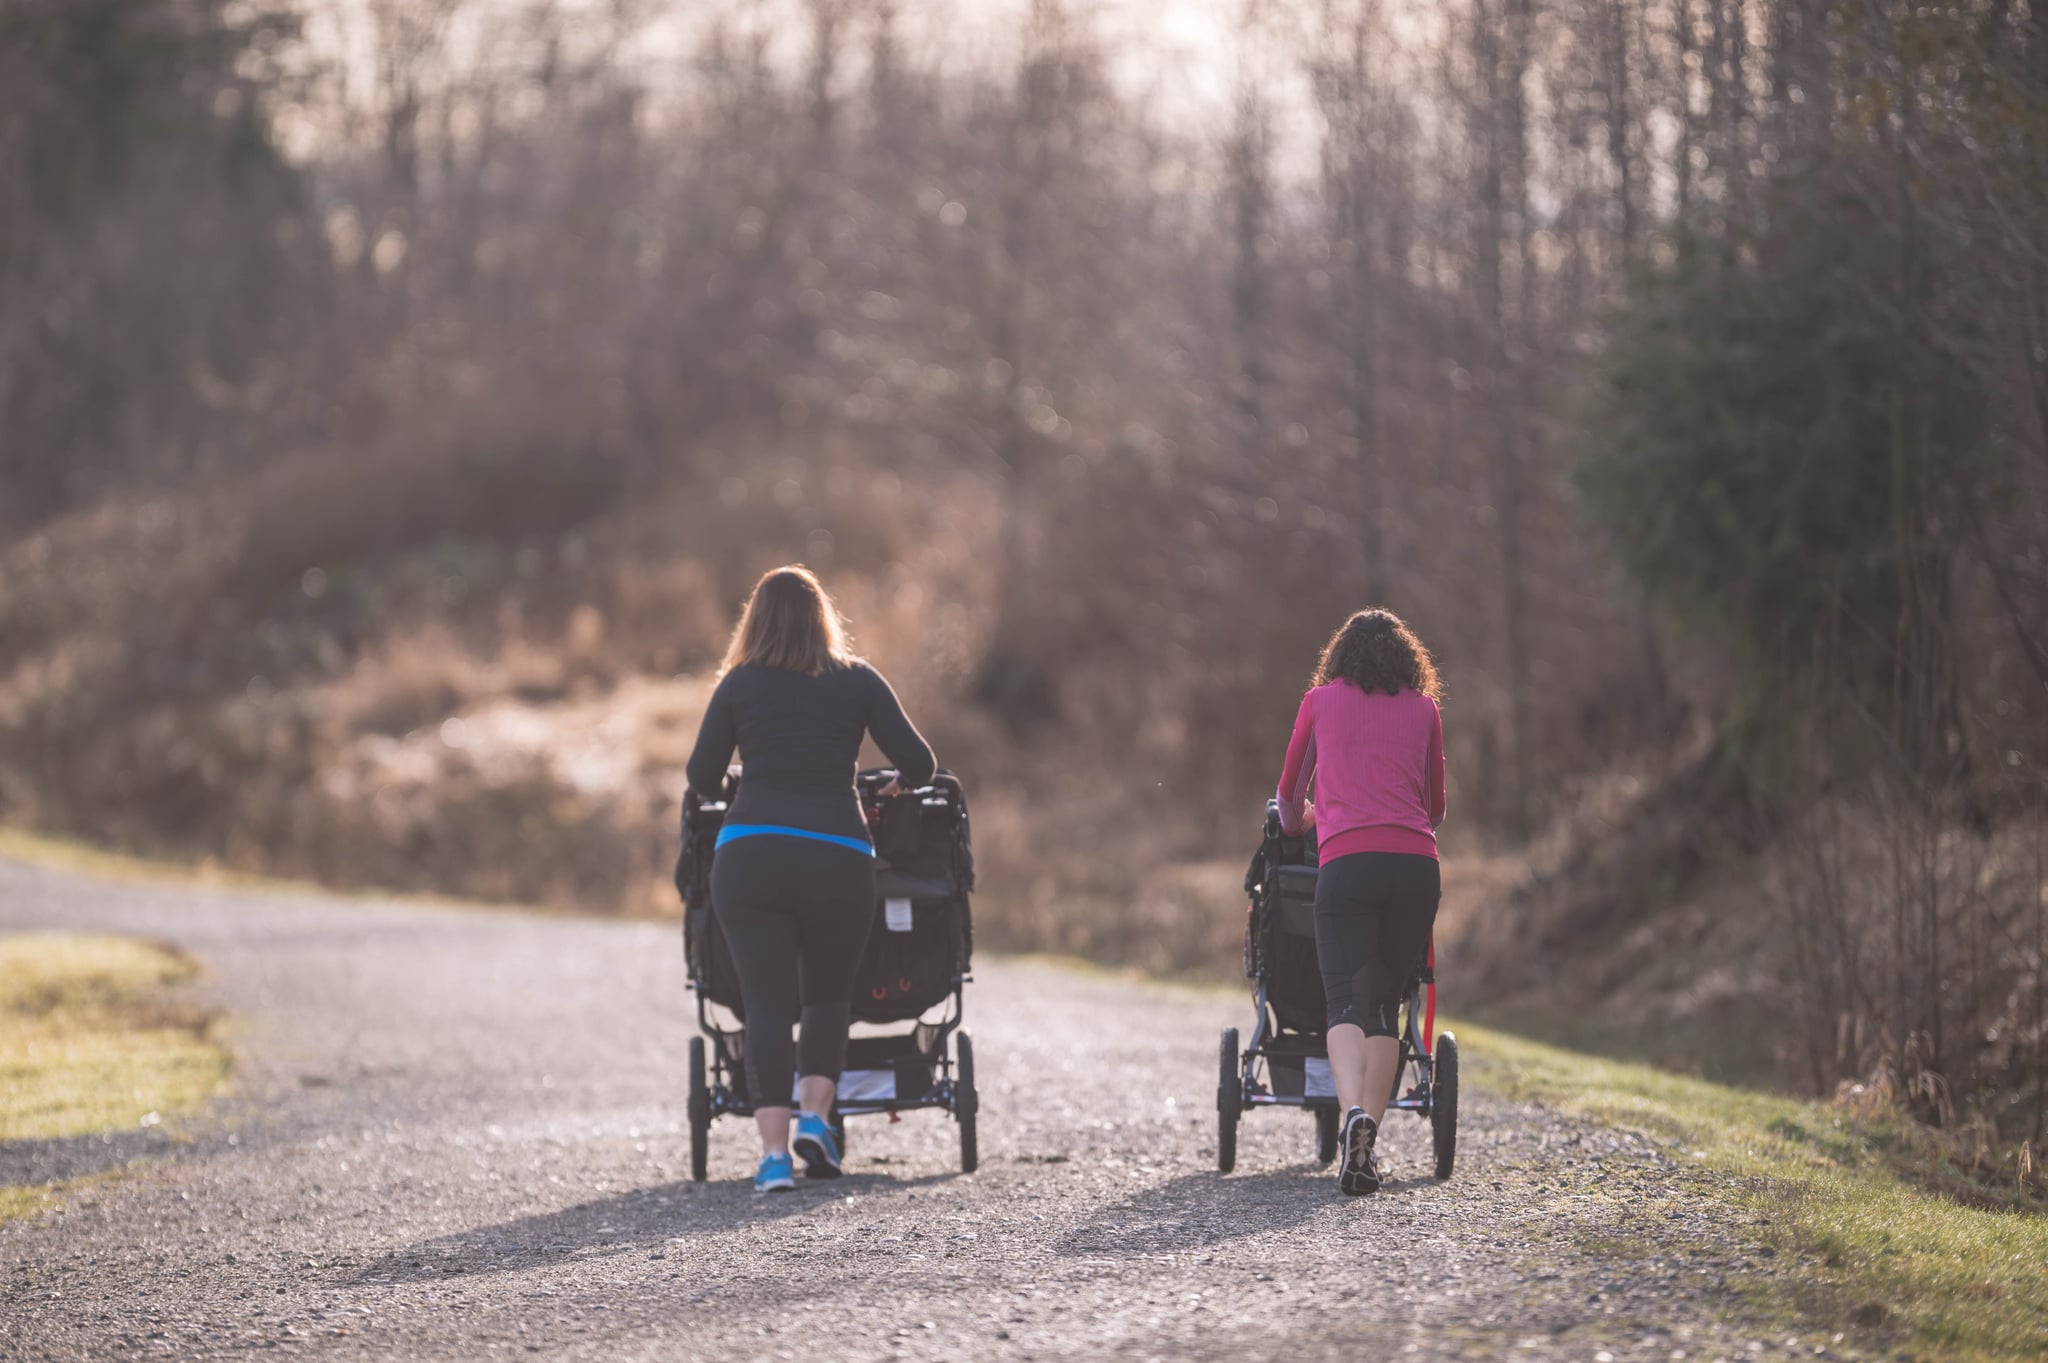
{"points": [[944, 785]]}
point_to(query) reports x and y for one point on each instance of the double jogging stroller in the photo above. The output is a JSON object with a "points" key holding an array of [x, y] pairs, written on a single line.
{"points": [[1287, 1063], [917, 962]]}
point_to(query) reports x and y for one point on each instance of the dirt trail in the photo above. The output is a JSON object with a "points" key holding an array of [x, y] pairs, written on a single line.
{"points": [[458, 1135]]}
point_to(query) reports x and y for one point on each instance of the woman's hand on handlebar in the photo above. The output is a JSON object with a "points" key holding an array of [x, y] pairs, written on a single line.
{"points": [[892, 790]]}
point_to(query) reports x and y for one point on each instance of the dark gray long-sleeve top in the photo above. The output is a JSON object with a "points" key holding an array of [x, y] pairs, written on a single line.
{"points": [[799, 739]]}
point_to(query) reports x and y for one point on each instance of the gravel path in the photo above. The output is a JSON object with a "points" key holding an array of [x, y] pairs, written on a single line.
{"points": [[458, 1134]]}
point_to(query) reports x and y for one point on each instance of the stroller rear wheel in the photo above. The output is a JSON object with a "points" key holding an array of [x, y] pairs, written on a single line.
{"points": [[965, 1103], [1443, 1104], [700, 1112], [1326, 1134], [1229, 1103]]}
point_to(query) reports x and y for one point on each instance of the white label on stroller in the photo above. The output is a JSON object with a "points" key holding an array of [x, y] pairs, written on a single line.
{"points": [[865, 1086], [897, 914], [1318, 1082]]}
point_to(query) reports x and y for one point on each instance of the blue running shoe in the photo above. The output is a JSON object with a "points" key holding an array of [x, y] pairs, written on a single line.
{"points": [[776, 1175], [816, 1146]]}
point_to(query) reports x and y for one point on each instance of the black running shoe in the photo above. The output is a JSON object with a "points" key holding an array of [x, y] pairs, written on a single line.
{"points": [[1360, 1170]]}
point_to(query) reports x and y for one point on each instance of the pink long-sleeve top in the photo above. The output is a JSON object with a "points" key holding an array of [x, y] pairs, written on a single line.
{"points": [[1378, 766]]}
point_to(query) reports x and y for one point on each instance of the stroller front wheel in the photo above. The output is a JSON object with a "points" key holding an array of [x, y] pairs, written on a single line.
{"points": [[1326, 1135], [700, 1113], [1229, 1103], [965, 1103], [1443, 1104]]}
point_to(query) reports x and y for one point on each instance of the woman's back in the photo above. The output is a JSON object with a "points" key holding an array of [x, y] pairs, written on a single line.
{"points": [[1373, 751], [799, 736], [1377, 760]]}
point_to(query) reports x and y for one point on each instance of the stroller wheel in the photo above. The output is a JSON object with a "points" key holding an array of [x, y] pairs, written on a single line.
{"points": [[965, 1103], [1326, 1134], [1229, 1103], [700, 1112], [1443, 1104], [838, 1120]]}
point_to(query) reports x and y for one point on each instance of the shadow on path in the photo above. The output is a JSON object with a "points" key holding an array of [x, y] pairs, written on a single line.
{"points": [[1196, 1211], [66, 1157], [642, 1220], [1199, 1211]]}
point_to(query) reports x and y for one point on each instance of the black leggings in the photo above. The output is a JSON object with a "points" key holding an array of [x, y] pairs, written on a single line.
{"points": [[795, 913], [1374, 911]]}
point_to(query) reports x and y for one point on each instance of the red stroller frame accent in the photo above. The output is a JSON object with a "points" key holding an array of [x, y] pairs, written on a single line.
{"points": [[1429, 1009]]}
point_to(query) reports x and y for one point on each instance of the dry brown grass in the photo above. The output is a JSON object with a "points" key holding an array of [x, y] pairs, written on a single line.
{"points": [[460, 473]]}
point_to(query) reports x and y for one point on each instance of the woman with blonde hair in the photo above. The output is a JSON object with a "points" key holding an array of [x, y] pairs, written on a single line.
{"points": [[793, 876], [1371, 737]]}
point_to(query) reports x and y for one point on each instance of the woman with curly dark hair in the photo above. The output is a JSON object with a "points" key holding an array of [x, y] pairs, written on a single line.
{"points": [[1370, 736]]}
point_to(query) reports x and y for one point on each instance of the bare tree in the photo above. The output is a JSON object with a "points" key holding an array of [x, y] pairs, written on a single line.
{"points": [[1248, 168], [1344, 81]]}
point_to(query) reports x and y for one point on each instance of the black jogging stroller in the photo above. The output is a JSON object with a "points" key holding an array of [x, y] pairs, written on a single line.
{"points": [[1287, 1063], [918, 958]]}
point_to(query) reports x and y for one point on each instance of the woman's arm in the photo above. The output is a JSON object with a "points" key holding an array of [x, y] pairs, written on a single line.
{"points": [[1438, 796], [896, 736], [1295, 812], [717, 736]]}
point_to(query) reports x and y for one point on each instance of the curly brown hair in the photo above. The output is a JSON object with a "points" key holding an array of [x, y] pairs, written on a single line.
{"points": [[1375, 651]]}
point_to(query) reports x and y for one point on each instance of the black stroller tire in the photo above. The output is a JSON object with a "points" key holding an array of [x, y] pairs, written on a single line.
{"points": [[1326, 1135], [1443, 1104], [1229, 1103], [700, 1113], [966, 1102], [838, 1120]]}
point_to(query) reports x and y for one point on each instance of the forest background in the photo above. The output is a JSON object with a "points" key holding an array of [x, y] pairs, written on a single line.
{"points": [[397, 398]]}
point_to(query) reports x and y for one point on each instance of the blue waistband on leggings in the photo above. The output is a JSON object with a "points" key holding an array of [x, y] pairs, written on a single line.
{"points": [[733, 831]]}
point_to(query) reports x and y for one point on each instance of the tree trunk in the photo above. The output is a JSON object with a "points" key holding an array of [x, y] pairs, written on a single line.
{"points": [[1251, 195], [1500, 61]]}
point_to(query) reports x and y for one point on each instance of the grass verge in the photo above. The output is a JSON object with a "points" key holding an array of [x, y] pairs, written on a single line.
{"points": [[93, 1038], [1939, 1278]]}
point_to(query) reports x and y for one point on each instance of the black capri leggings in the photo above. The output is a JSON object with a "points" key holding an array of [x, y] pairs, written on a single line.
{"points": [[1374, 911], [795, 913]]}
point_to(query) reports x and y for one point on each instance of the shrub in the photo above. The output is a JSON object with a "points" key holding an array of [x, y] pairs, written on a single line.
{"points": [[1783, 442]]}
